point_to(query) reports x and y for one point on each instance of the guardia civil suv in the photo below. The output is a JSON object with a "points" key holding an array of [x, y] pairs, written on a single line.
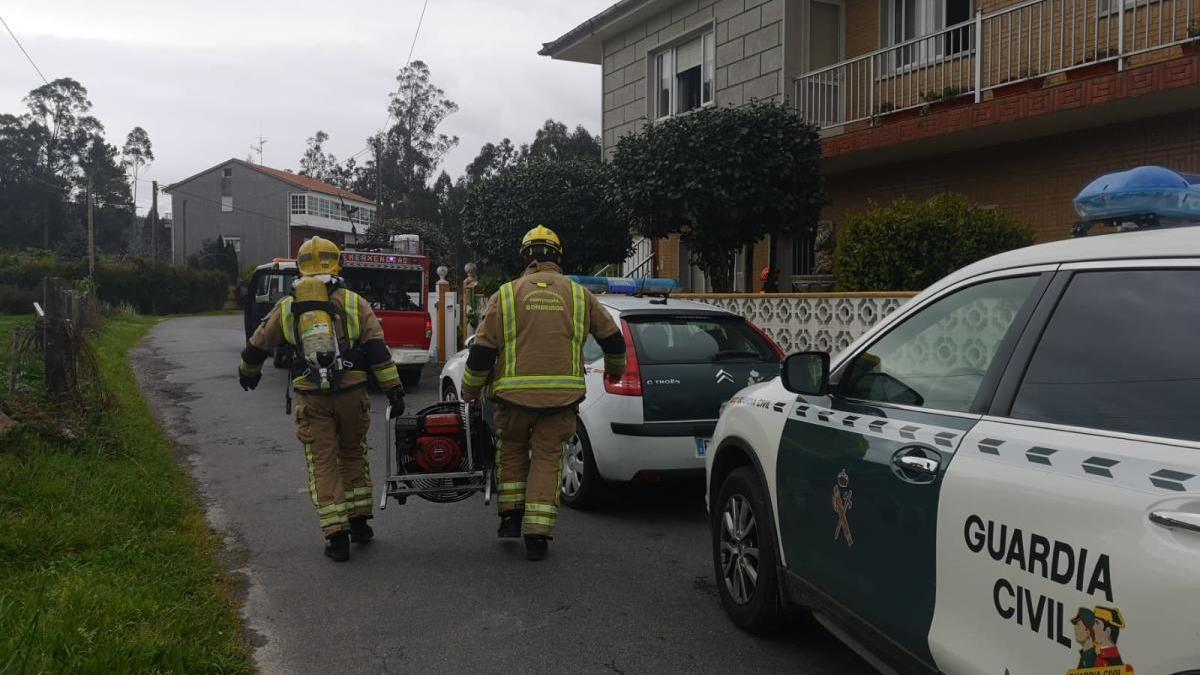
{"points": [[1003, 477]]}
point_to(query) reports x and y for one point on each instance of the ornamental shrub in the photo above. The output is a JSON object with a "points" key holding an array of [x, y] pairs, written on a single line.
{"points": [[907, 246], [150, 287]]}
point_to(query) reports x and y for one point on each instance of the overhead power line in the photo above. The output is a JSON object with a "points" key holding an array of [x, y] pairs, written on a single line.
{"points": [[407, 61], [39, 70]]}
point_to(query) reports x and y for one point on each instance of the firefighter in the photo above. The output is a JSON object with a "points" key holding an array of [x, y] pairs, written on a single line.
{"points": [[530, 345], [337, 341]]}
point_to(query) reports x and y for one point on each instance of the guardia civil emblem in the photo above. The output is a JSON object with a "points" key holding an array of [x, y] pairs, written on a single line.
{"points": [[843, 501]]}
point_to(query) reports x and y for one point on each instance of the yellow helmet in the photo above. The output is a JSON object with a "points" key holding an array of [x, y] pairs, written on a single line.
{"points": [[540, 236], [319, 256]]}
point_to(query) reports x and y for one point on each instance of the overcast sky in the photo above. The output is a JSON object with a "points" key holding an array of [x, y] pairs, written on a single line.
{"points": [[204, 78]]}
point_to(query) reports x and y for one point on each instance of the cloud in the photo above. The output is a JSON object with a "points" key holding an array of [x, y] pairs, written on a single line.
{"points": [[204, 78]]}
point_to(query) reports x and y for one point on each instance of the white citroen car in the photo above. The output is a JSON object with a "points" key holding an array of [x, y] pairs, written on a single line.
{"points": [[684, 360]]}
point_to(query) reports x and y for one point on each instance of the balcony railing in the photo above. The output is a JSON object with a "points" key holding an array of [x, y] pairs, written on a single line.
{"points": [[1024, 43]]}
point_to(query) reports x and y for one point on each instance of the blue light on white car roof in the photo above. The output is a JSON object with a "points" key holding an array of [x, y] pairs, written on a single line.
{"points": [[626, 286], [1142, 196]]}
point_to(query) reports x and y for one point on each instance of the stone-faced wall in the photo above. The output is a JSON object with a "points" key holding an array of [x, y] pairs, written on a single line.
{"points": [[749, 57]]}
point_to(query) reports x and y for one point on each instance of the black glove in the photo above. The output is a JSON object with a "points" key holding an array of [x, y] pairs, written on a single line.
{"points": [[396, 400], [248, 382]]}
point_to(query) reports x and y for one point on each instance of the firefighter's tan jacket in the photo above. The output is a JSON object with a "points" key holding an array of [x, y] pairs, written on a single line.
{"points": [[359, 334], [538, 325]]}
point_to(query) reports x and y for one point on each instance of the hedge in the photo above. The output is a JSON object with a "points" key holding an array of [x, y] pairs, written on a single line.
{"points": [[907, 246], [150, 287]]}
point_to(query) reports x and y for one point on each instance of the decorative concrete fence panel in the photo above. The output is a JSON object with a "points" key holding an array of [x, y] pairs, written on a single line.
{"points": [[826, 322]]}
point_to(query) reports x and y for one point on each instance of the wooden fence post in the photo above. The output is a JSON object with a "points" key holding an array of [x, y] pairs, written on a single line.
{"points": [[55, 347]]}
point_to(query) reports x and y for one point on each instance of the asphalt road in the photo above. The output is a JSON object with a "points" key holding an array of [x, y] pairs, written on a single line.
{"points": [[626, 589]]}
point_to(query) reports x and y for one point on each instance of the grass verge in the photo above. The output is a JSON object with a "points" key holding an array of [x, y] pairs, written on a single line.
{"points": [[106, 562]]}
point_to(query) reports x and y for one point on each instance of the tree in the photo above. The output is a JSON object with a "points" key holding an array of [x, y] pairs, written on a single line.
{"points": [[218, 256], [136, 154], [316, 163], [434, 241], [723, 178], [568, 197], [907, 246], [491, 160], [60, 109], [554, 142], [410, 151]]}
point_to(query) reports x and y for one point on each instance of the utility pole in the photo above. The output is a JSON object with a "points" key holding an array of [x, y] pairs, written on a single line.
{"points": [[91, 233], [154, 222], [379, 179]]}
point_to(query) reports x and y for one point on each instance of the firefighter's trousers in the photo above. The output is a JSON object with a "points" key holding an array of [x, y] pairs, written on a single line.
{"points": [[333, 429], [530, 448]]}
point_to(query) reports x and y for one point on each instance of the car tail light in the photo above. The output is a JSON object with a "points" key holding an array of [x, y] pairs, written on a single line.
{"points": [[428, 327], [630, 383], [774, 345]]}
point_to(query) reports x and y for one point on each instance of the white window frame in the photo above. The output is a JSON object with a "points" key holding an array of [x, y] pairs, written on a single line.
{"points": [[930, 19], [236, 242], [666, 57], [226, 204]]}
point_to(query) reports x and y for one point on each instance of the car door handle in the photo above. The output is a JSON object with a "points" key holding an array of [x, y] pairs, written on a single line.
{"points": [[917, 464], [1176, 520]]}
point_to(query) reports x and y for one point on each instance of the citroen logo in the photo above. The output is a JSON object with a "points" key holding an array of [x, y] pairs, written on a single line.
{"points": [[723, 377]]}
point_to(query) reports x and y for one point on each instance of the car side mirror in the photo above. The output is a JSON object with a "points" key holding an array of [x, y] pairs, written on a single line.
{"points": [[806, 373]]}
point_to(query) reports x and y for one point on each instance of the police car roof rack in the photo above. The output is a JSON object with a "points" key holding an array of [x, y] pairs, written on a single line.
{"points": [[1133, 223]]}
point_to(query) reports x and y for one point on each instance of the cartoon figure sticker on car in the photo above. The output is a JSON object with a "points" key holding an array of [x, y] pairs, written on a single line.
{"points": [[843, 501], [1096, 633]]}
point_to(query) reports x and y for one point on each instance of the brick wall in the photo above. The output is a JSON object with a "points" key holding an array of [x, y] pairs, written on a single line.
{"points": [[1033, 180], [749, 53]]}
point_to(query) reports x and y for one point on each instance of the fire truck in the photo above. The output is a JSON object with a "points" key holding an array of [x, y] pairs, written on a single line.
{"points": [[395, 282]]}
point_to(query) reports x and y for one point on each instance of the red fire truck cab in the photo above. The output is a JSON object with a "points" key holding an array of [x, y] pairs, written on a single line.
{"points": [[396, 284]]}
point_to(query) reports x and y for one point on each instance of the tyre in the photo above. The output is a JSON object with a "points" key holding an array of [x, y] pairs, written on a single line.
{"points": [[449, 393], [745, 554], [410, 378], [581, 482]]}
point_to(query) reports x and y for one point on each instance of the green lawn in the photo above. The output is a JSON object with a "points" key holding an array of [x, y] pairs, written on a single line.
{"points": [[106, 562]]}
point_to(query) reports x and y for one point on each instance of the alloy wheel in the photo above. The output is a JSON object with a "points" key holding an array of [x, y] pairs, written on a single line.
{"points": [[572, 466], [739, 549]]}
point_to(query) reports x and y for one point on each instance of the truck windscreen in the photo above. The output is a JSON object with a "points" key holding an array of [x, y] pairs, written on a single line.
{"points": [[388, 290]]}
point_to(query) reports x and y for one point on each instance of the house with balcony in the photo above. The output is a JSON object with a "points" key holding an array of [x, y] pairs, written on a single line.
{"points": [[1017, 104], [265, 213]]}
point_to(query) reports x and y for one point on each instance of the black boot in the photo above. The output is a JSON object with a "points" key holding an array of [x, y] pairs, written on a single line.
{"points": [[510, 525], [360, 531], [536, 547], [337, 546]]}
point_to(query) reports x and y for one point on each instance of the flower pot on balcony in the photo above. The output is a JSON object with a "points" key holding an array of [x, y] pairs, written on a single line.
{"points": [[1089, 70], [1017, 88]]}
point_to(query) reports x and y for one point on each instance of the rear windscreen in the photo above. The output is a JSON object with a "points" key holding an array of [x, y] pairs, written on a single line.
{"points": [[387, 290], [697, 340]]}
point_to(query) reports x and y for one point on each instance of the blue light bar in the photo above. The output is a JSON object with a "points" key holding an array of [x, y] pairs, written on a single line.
{"points": [[1137, 194], [624, 286]]}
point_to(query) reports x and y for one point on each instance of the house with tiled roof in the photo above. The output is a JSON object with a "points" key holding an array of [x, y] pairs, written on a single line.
{"points": [[1018, 104], [265, 213]]}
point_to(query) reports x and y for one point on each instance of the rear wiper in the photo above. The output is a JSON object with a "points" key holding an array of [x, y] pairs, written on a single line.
{"points": [[723, 356]]}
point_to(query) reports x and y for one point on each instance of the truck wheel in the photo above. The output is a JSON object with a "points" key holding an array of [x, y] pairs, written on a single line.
{"points": [[744, 553], [581, 482], [410, 378]]}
